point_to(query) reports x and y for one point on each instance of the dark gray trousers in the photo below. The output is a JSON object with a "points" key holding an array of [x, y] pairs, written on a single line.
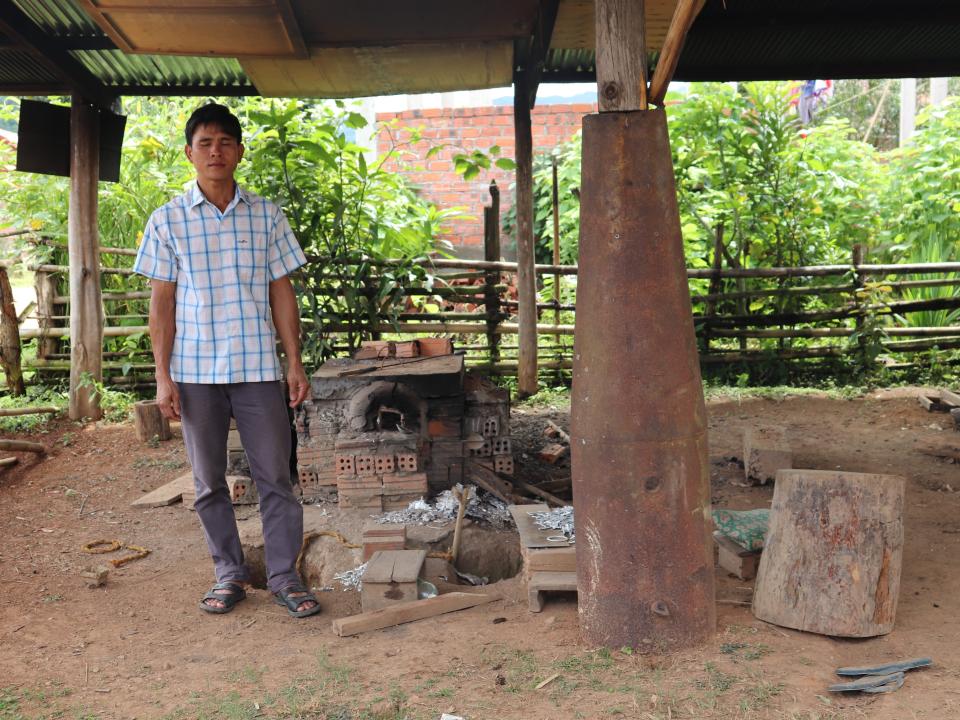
{"points": [[261, 414]]}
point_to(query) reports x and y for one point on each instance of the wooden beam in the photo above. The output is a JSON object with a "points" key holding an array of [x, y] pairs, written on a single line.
{"points": [[621, 55], [683, 16], [23, 446], [86, 308], [408, 612], [16, 25], [526, 274], [540, 46]]}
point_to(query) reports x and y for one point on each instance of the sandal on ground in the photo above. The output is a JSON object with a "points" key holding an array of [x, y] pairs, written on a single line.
{"points": [[286, 597], [229, 599]]}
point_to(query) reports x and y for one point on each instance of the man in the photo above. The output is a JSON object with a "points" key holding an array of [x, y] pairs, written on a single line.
{"points": [[218, 258]]}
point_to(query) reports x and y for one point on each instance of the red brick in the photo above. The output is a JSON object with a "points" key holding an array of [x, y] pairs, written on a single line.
{"points": [[552, 453]]}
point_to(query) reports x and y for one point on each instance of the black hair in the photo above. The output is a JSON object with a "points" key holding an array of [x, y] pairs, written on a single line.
{"points": [[214, 114]]}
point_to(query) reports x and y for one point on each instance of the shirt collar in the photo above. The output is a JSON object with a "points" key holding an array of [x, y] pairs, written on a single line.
{"points": [[195, 195]]}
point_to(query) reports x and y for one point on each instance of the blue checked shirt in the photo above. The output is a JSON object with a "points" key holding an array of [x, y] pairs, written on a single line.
{"points": [[223, 264]]}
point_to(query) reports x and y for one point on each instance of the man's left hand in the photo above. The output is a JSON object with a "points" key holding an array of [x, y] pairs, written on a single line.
{"points": [[298, 384]]}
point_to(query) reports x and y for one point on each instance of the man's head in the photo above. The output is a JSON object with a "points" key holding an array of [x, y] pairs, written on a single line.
{"points": [[214, 143], [217, 115]]}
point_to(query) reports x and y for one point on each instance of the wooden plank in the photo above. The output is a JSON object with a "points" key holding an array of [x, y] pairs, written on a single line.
{"points": [[552, 559], [948, 397], [530, 535], [621, 55], [166, 494], [553, 581], [408, 612]]}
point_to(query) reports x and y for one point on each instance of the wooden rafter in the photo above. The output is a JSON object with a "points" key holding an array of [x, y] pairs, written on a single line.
{"points": [[18, 27], [683, 16], [539, 47]]}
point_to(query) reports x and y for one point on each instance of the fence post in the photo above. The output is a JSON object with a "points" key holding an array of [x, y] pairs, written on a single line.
{"points": [[856, 259], [491, 253], [45, 287], [715, 284], [10, 337]]}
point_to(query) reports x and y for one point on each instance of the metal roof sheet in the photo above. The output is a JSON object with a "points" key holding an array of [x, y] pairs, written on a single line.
{"points": [[730, 40]]}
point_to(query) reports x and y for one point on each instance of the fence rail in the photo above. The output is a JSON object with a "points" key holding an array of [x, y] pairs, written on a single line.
{"points": [[741, 315]]}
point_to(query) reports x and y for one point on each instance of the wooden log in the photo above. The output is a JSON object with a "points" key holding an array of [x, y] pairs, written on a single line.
{"points": [[13, 412], [23, 446], [491, 253], [86, 309], [9, 461], [150, 422], [10, 338], [526, 271], [408, 612], [832, 556]]}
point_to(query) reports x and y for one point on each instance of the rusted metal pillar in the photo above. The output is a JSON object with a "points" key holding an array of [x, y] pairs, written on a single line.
{"points": [[640, 468]]}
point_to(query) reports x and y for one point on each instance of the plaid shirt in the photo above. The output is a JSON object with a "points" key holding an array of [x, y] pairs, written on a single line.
{"points": [[222, 263]]}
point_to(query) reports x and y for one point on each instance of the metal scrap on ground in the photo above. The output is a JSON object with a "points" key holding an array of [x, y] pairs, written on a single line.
{"points": [[560, 518], [444, 508], [351, 579]]}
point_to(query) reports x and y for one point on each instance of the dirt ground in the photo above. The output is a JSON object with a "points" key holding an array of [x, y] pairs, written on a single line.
{"points": [[140, 648]]}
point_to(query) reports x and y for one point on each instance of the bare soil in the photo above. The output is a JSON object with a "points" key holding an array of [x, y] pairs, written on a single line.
{"points": [[140, 648]]}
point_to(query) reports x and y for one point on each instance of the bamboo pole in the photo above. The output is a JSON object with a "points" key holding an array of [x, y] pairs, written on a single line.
{"points": [[16, 412]]}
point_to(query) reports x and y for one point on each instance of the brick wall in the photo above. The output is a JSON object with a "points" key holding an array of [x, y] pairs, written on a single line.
{"points": [[467, 129]]}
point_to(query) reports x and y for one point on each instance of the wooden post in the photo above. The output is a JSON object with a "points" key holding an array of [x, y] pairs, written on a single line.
{"points": [[45, 287], [621, 55], [86, 310], [556, 238], [10, 337], [715, 284], [856, 260], [491, 253], [526, 275]]}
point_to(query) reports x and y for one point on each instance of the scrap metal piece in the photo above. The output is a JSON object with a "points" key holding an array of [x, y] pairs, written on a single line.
{"points": [[352, 579], [639, 433], [870, 683], [886, 669]]}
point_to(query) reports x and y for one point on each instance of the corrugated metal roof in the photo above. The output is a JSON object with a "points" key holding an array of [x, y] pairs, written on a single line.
{"points": [[730, 40], [60, 18], [118, 70]]}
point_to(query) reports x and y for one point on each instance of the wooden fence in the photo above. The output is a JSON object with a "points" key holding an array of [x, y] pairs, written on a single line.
{"points": [[746, 315]]}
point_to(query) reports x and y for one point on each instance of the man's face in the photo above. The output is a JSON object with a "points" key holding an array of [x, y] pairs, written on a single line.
{"points": [[213, 153]]}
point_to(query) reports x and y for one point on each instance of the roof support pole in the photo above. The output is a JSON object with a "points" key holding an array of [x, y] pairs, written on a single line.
{"points": [[86, 309], [640, 469], [526, 277]]}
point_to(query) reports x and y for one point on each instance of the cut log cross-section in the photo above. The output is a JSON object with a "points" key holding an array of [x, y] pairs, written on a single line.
{"points": [[831, 561], [149, 421]]}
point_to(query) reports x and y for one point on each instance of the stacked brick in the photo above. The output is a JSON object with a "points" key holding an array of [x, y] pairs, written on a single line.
{"points": [[487, 424], [385, 479], [385, 440]]}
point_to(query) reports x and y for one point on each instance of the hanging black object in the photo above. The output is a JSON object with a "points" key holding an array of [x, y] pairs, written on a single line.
{"points": [[43, 140]]}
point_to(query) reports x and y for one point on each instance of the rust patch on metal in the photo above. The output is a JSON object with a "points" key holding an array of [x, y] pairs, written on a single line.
{"points": [[638, 423]]}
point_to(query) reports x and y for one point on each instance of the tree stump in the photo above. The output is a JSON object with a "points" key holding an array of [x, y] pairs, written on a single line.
{"points": [[150, 422], [831, 562]]}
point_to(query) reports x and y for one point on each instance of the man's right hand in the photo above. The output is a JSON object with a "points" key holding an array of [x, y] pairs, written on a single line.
{"points": [[168, 398]]}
